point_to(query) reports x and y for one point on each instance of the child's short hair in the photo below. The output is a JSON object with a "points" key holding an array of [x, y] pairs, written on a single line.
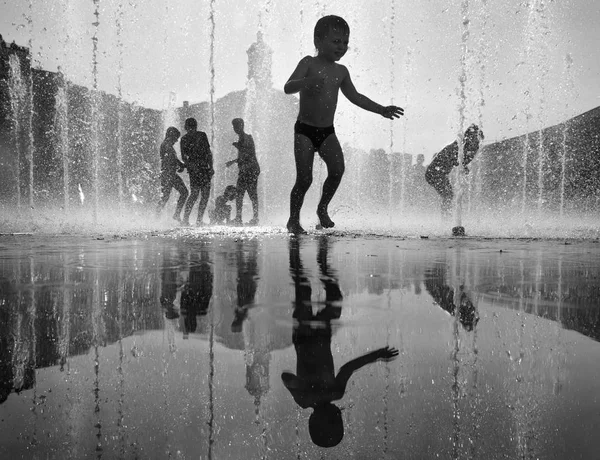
{"points": [[331, 22], [238, 122], [191, 123], [172, 132], [230, 192]]}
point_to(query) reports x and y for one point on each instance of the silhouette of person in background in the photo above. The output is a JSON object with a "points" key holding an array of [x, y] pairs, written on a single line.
{"points": [[444, 161], [221, 214], [315, 383], [249, 171], [198, 159], [170, 165], [247, 275], [197, 291], [443, 295]]}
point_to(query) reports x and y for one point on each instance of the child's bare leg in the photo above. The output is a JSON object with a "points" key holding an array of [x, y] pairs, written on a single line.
{"points": [[253, 194], [189, 204], [332, 155], [239, 199], [304, 155], [205, 194]]}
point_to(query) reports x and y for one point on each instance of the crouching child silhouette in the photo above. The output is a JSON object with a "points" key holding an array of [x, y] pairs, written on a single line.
{"points": [[221, 214], [315, 383]]}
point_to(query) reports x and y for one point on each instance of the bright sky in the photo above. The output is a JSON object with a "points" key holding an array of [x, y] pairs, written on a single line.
{"points": [[528, 64]]}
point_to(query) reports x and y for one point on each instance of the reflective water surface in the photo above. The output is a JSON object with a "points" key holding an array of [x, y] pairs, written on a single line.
{"points": [[326, 346]]}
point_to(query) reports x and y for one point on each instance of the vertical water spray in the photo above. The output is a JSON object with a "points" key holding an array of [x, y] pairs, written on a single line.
{"points": [[407, 70], [525, 154], [95, 111], [541, 28], [476, 179], [391, 179], [119, 32], [16, 94], [563, 160], [211, 64], [536, 27], [461, 178], [30, 108], [61, 128]]}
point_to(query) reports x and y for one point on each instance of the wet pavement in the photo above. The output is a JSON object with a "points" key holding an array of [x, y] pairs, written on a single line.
{"points": [[258, 345]]}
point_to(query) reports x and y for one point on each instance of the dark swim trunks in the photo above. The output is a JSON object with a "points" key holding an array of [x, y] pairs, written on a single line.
{"points": [[316, 134]]}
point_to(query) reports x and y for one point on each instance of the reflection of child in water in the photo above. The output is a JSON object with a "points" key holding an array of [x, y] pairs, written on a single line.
{"points": [[221, 214], [315, 383], [443, 295]]}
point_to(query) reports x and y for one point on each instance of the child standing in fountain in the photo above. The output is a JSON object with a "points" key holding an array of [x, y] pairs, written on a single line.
{"points": [[319, 80], [198, 159], [169, 167], [249, 171]]}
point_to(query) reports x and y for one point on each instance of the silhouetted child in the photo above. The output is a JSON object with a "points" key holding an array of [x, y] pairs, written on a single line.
{"points": [[221, 214], [315, 383], [444, 161], [170, 165], [198, 159], [319, 80], [249, 171]]}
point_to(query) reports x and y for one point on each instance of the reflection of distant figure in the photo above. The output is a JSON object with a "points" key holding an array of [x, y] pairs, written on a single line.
{"points": [[436, 285], [249, 171], [170, 165], [444, 161], [315, 383], [221, 214], [169, 292], [247, 275], [196, 292]]}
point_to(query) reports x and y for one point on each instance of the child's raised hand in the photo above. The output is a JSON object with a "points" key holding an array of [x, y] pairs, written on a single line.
{"points": [[391, 112]]}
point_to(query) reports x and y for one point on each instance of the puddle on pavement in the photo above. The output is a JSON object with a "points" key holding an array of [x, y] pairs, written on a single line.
{"points": [[270, 347]]}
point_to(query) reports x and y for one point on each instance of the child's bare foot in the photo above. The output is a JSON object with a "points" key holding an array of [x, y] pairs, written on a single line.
{"points": [[324, 219], [295, 228]]}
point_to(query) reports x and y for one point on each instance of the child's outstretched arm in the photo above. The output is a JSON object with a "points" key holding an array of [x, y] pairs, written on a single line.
{"points": [[299, 80], [348, 89], [346, 371]]}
